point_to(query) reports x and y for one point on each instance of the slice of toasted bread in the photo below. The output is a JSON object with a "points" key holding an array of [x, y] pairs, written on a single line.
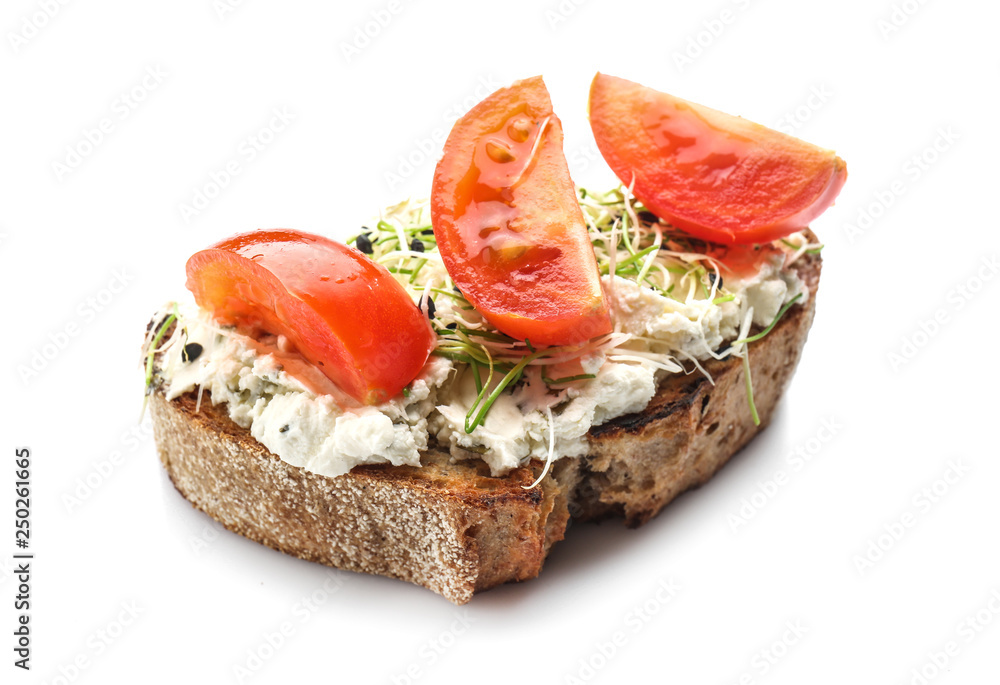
{"points": [[452, 527]]}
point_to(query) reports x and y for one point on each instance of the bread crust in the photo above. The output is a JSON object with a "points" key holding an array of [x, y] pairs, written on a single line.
{"points": [[639, 462], [450, 526]]}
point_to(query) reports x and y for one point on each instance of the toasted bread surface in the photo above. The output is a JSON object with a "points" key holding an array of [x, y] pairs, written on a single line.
{"points": [[640, 462], [449, 525]]}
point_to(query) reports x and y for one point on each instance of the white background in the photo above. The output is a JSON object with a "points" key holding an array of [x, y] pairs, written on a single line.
{"points": [[205, 600]]}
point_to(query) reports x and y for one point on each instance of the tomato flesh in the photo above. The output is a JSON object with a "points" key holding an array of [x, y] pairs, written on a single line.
{"points": [[743, 261], [508, 224], [718, 177], [343, 312]]}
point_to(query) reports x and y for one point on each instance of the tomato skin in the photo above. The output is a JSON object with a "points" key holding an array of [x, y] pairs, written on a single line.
{"points": [[718, 177], [343, 312], [508, 224]]}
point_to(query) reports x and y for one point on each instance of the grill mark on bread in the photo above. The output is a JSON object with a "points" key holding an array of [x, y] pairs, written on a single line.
{"points": [[635, 423]]}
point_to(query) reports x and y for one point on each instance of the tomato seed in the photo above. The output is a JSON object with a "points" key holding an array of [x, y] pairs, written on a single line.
{"points": [[499, 152], [519, 129]]}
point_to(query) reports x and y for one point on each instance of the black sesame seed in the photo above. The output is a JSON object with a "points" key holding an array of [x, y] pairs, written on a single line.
{"points": [[417, 245], [191, 352], [713, 279], [431, 308], [364, 242], [283, 429], [648, 217], [452, 326], [427, 231]]}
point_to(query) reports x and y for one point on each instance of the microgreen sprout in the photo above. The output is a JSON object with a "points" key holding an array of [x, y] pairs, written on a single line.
{"points": [[477, 413], [777, 317], [550, 455], [154, 344], [151, 347], [629, 243], [749, 385], [568, 379], [800, 243]]}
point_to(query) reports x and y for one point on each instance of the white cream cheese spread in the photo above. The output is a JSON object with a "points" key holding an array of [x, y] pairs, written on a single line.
{"points": [[290, 407], [665, 322]]}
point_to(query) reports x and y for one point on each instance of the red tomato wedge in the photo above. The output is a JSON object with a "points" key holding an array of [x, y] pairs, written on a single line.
{"points": [[342, 311], [508, 224], [718, 177]]}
